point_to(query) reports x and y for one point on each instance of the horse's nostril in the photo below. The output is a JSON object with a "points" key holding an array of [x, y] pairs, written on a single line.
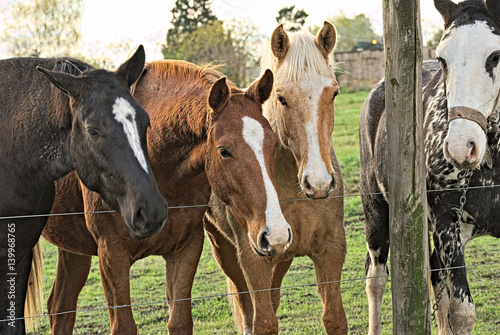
{"points": [[290, 236], [470, 144], [140, 218], [332, 184], [262, 241], [446, 151], [307, 186]]}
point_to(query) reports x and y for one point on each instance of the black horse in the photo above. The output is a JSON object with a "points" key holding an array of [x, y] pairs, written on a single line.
{"points": [[94, 126], [462, 150]]}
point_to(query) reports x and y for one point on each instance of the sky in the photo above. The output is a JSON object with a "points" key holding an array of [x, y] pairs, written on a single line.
{"points": [[147, 21]]}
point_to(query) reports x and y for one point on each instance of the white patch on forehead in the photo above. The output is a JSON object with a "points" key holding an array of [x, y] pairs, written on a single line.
{"points": [[316, 169], [253, 134], [125, 114], [465, 50]]}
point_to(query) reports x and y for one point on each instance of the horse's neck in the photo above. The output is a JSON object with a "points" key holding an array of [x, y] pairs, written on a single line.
{"points": [[177, 141], [40, 148], [286, 171], [176, 157]]}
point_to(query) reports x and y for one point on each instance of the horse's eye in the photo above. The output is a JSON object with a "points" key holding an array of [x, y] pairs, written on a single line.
{"points": [[282, 100], [493, 59], [92, 132], [224, 152], [337, 92]]}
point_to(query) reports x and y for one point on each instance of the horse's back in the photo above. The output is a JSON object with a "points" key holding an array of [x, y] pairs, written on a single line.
{"points": [[373, 136], [372, 140]]}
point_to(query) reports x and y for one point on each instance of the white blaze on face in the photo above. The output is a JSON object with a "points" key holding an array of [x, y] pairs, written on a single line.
{"points": [[125, 114], [253, 134], [466, 50], [316, 170]]}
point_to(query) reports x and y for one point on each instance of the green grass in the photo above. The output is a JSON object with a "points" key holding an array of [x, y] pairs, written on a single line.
{"points": [[301, 308]]}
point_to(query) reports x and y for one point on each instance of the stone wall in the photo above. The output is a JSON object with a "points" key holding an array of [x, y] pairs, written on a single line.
{"points": [[363, 69]]}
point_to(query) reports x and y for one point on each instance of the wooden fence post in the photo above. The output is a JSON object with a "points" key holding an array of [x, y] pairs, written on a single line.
{"points": [[407, 189]]}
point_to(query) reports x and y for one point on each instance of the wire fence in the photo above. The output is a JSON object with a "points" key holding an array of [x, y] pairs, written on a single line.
{"points": [[221, 295], [13, 217]]}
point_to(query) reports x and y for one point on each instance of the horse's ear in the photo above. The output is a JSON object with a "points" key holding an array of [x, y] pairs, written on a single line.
{"points": [[446, 8], [326, 38], [280, 42], [219, 95], [261, 89], [493, 7], [131, 70], [67, 83]]}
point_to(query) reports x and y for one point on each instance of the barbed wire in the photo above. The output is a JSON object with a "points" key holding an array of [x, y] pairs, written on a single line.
{"points": [[223, 295], [212, 205]]}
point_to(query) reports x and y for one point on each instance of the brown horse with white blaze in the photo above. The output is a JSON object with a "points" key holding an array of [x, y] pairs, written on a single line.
{"points": [[206, 136], [301, 112]]}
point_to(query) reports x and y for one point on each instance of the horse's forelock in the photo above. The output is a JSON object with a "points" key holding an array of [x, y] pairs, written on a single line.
{"points": [[302, 57], [470, 11], [72, 66]]}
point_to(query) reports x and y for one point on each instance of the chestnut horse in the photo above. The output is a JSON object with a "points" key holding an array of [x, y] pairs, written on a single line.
{"points": [[222, 144], [301, 112], [91, 124]]}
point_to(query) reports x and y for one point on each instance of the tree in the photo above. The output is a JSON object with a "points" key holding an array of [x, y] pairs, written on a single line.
{"points": [[197, 36], [291, 21], [209, 43], [106, 55], [246, 41], [187, 16], [42, 27], [232, 46], [351, 31]]}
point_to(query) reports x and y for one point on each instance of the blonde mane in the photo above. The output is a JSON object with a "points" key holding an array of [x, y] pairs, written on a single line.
{"points": [[302, 57]]}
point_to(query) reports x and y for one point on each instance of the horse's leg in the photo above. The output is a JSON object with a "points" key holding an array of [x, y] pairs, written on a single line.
{"points": [[72, 273], [258, 272], [114, 266], [181, 267], [444, 302], [13, 290], [226, 256], [456, 310], [377, 239], [328, 265], [17, 240], [279, 273]]}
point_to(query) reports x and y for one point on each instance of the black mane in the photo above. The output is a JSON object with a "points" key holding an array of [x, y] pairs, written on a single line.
{"points": [[71, 66], [470, 11]]}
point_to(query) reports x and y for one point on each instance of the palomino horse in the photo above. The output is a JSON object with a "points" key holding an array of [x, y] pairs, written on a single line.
{"points": [[96, 128], [462, 150], [222, 143], [301, 112]]}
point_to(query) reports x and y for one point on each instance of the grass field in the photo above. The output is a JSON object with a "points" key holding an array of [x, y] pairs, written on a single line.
{"points": [[301, 308]]}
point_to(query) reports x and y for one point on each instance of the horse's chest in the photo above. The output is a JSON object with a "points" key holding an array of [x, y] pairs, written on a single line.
{"points": [[445, 187]]}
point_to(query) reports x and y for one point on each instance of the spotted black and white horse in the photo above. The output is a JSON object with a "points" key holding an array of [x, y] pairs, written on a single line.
{"points": [[462, 151]]}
